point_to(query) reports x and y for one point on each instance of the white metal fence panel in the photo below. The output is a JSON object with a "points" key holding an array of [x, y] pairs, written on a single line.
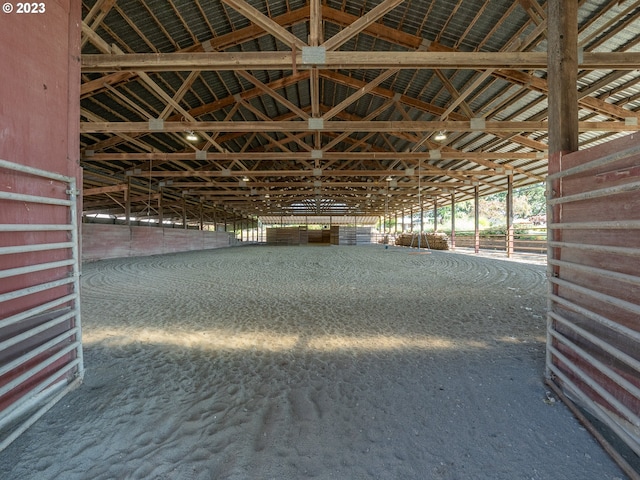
{"points": [[40, 329]]}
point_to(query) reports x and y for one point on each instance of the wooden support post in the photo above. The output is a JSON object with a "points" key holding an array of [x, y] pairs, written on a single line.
{"points": [[435, 214], [160, 209], [562, 59], [127, 202], [509, 232], [476, 203], [201, 216], [411, 219], [453, 221], [184, 213]]}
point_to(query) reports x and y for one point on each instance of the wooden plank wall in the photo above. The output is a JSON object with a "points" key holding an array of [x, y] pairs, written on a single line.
{"points": [[101, 241], [593, 336]]}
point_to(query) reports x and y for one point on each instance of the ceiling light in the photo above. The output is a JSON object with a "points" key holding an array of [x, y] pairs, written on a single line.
{"points": [[192, 137], [245, 179], [440, 136]]}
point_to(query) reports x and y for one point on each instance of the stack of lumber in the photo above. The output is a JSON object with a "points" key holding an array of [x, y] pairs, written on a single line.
{"points": [[435, 241]]}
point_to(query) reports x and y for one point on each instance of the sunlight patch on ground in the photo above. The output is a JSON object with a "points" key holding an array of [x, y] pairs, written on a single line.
{"points": [[273, 342]]}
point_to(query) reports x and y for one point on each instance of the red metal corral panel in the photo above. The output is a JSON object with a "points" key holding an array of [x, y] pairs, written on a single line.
{"points": [[594, 258]]}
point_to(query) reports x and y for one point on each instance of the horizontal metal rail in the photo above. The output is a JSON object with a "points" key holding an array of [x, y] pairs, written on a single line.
{"points": [[634, 252], [35, 247], [38, 267], [37, 369], [5, 297], [35, 331], [16, 167], [622, 277], [595, 386], [22, 197], [607, 347], [596, 409], [56, 395], [594, 164], [27, 227], [609, 225], [591, 194], [11, 413], [38, 310], [596, 317], [620, 381], [37, 351], [603, 297]]}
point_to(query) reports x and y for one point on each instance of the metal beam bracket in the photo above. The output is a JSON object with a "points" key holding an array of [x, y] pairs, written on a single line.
{"points": [[156, 124], [478, 124], [314, 55], [316, 154], [316, 124]]}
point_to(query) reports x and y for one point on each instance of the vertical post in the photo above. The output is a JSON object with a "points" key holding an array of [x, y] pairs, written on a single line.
{"points": [[201, 216], [453, 221], [435, 214], [476, 220], [225, 220], [411, 219], [396, 223], [562, 60], [509, 236], [127, 202], [160, 208], [184, 213]]}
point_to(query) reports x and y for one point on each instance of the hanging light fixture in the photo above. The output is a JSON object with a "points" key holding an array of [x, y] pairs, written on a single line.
{"points": [[440, 136], [192, 137]]}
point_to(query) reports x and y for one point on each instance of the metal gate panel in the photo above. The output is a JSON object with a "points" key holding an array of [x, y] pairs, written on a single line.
{"points": [[593, 335], [40, 329]]}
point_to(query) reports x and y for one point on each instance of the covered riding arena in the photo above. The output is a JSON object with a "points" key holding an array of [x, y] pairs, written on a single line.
{"points": [[198, 210]]}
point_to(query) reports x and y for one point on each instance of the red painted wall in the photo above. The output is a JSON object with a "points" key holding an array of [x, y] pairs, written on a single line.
{"points": [[39, 127], [39, 123], [101, 241]]}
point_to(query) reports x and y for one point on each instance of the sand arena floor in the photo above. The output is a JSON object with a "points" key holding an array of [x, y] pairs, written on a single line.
{"points": [[310, 362]]}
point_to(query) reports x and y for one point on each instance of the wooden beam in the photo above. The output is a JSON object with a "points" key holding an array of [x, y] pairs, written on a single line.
{"points": [[348, 126], [102, 190], [266, 23], [361, 24], [354, 97], [211, 61], [299, 156], [273, 94], [301, 173]]}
